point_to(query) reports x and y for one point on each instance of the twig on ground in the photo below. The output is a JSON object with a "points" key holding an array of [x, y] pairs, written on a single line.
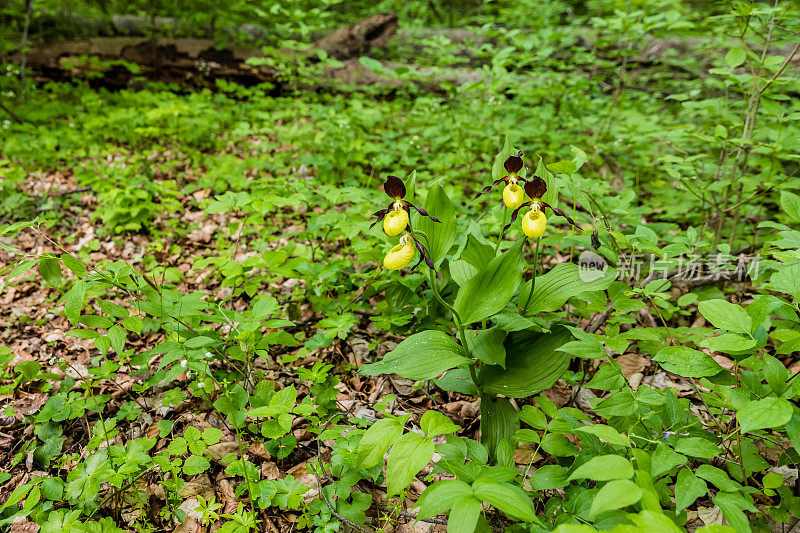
{"points": [[330, 507]]}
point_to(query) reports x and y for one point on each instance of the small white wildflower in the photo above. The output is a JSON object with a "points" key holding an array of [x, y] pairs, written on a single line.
{"points": [[183, 363], [201, 385], [208, 354]]}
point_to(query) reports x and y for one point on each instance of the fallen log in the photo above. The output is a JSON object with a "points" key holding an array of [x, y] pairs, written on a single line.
{"points": [[119, 61]]}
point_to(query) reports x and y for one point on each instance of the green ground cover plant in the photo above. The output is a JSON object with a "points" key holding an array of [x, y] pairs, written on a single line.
{"points": [[559, 294]]}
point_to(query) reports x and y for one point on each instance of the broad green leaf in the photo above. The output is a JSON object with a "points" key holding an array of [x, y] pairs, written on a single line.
{"points": [[697, 447], [199, 342], [728, 343], [787, 280], [718, 477], [50, 269], [464, 515], [75, 265], [74, 301], [614, 495], [377, 440], [488, 292], [195, 465], [665, 459], [561, 283], [532, 363], [499, 422], [771, 412], [549, 477], [558, 445], [440, 496], [96, 321], [551, 196], [422, 356], [688, 488], [725, 315], [442, 234], [508, 498], [735, 57], [790, 203], [607, 433], [487, 345], [604, 468], [687, 362], [435, 423], [409, 454]]}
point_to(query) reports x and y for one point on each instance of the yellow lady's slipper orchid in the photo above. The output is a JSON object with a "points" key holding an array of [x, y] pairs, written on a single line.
{"points": [[395, 222], [533, 223], [395, 217], [513, 195], [401, 255]]}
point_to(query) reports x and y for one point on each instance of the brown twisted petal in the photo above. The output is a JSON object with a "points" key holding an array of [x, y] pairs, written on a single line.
{"points": [[489, 187], [513, 164], [560, 213], [421, 211], [394, 187], [536, 188], [424, 257], [514, 216], [380, 216]]}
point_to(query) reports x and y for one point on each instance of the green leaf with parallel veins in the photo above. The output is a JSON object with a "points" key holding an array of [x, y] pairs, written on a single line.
{"points": [[490, 290], [422, 356], [532, 363], [770, 412], [76, 266], [614, 495], [687, 362], [442, 234], [408, 455], [487, 345], [74, 301], [604, 468], [499, 422], [50, 269], [561, 283]]}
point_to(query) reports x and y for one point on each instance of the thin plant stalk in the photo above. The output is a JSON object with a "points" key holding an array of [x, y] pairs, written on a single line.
{"points": [[533, 279]]}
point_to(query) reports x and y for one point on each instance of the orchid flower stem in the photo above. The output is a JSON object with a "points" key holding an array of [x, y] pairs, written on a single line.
{"points": [[533, 279], [500, 236], [459, 325]]}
